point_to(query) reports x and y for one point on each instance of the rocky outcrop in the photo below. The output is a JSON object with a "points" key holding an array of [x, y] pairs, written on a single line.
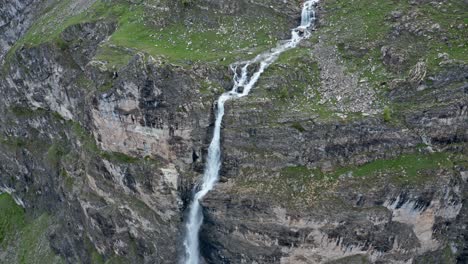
{"points": [[304, 188], [381, 224], [107, 165], [15, 18]]}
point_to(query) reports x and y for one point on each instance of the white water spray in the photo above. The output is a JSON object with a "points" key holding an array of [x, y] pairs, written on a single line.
{"points": [[243, 83]]}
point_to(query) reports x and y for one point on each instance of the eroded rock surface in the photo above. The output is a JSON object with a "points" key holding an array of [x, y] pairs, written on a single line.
{"points": [[351, 149]]}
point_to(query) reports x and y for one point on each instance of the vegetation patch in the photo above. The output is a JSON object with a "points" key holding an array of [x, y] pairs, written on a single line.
{"points": [[34, 245], [27, 236], [11, 219], [68, 180], [21, 111], [116, 57], [221, 39], [387, 114], [408, 169], [299, 185], [34, 145], [55, 152], [291, 84], [119, 157], [298, 127], [361, 28], [196, 42]]}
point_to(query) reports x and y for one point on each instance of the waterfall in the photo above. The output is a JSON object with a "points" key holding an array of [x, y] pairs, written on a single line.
{"points": [[243, 83]]}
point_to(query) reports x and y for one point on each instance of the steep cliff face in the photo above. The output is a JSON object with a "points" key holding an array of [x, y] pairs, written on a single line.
{"points": [[346, 152], [15, 19], [351, 149]]}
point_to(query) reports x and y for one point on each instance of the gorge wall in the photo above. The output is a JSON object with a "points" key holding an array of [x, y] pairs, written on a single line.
{"points": [[351, 148]]}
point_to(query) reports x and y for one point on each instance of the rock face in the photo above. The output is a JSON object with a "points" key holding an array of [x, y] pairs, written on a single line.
{"points": [[253, 216], [15, 18], [351, 149], [108, 165]]}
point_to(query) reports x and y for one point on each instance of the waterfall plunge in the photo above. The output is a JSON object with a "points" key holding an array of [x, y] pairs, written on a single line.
{"points": [[213, 162]]}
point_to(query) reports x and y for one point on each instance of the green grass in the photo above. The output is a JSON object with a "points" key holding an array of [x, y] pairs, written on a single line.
{"points": [[359, 21], [355, 259], [84, 83], [359, 29], [67, 179], [117, 260], [352, 25], [86, 139], [298, 127], [34, 245], [51, 24], [21, 111], [448, 256], [220, 42], [12, 143], [114, 56], [55, 153], [119, 157], [387, 114], [34, 145], [456, 45], [356, 25], [96, 258], [106, 87], [54, 22], [27, 236], [445, 256], [299, 185], [179, 42], [405, 169], [186, 2], [291, 84], [11, 218]]}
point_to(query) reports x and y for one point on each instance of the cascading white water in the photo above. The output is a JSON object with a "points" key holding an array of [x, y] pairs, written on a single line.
{"points": [[243, 83]]}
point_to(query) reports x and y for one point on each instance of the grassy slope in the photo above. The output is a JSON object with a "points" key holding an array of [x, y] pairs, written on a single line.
{"points": [[220, 40], [27, 236], [12, 217], [350, 25], [301, 186], [359, 29], [368, 24]]}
